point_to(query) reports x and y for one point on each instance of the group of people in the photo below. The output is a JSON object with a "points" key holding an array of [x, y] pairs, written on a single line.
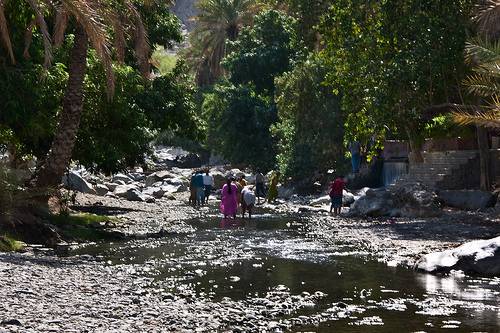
{"points": [[201, 186], [237, 193]]}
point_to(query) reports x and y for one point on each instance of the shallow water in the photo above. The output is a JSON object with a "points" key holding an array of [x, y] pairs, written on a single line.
{"points": [[244, 260]]}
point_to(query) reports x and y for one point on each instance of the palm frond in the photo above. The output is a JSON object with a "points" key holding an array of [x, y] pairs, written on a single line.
{"points": [[60, 25], [217, 22], [141, 42], [490, 119], [482, 50], [4, 33], [488, 18], [482, 85], [119, 39], [42, 25], [28, 37], [93, 23]]}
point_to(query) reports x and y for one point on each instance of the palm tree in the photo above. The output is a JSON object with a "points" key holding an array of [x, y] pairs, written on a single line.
{"points": [[483, 53], [483, 83], [219, 21], [94, 22]]}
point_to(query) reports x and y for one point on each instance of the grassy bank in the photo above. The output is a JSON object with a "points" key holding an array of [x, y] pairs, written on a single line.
{"points": [[82, 227], [9, 244]]}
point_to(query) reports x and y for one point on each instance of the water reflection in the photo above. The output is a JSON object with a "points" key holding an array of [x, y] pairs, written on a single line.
{"points": [[227, 223], [457, 285]]}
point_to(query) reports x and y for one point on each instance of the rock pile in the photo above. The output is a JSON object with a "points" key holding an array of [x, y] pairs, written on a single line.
{"points": [[172, 167], [410, 200]]}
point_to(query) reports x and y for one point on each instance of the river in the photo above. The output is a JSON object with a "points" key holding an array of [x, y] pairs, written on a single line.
{"points": [[279, 276]]}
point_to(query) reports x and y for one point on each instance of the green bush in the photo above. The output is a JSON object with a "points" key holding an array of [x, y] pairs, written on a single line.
{"points": [[310, 126], [238, 121]]}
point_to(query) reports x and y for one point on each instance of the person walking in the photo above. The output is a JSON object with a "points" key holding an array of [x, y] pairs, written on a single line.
{"points": [[247, 201], [259, 186], [192, 190], [272, 195], [229, 199], [200, 188], [336, 195], [208, 183], [355, 149]]}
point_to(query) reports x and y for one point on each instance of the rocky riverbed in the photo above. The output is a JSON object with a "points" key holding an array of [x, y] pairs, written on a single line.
{"points": [[289, 269]]}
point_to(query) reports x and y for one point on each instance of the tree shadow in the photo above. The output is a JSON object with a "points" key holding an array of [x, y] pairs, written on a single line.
{"points": [[448, 230], [104, 210]]}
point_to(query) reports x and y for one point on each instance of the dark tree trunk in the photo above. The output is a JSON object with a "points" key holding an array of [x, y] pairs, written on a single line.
{"points": [[484, 158], [59, 156]]}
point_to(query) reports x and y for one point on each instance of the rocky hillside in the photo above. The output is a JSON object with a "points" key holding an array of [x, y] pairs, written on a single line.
{"points": [[185, 9]]}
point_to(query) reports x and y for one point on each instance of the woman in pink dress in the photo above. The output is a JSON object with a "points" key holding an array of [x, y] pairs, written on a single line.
{"points": [[229, 202]]}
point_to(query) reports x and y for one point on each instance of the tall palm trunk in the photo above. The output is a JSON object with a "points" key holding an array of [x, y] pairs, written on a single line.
{"points": [[59, 156], [484, 158]]}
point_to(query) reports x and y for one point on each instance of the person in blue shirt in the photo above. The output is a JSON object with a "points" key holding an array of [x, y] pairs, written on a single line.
{"points": [[200, 188]]}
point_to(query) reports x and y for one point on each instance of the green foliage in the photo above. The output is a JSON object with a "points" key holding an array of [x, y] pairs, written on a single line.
{"points": [[114, 134], [169, 104], [163, 26], [9, 244], [8, 190], [308, 14], [310, 126], [31, 100], [390, 59], [238, 122], [264, 51], [164, 62]]}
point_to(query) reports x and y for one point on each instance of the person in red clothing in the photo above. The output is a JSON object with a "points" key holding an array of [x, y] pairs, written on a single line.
{"points": [[336, 193]]}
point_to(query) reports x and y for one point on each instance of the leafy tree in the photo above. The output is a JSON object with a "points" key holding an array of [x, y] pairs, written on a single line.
{"points": [[29, 113], [113, 134], [238, 124], [310, 125], [264, 51], [168, 102], [392, 59], [29, 109]]}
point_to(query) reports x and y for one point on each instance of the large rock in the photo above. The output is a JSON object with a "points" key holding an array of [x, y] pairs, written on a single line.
{"points": [[478, 257], [190, 160], [101, 189], [376, 202], [321, 201], [183, 183], [136, 195], [121, 177], [348, 198], [408, 200], [122, 190], [156, 192], [467, 199], [73, 181], [219, 179], [157, 177], [137, 176], [169, 189], [111, 186]]}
